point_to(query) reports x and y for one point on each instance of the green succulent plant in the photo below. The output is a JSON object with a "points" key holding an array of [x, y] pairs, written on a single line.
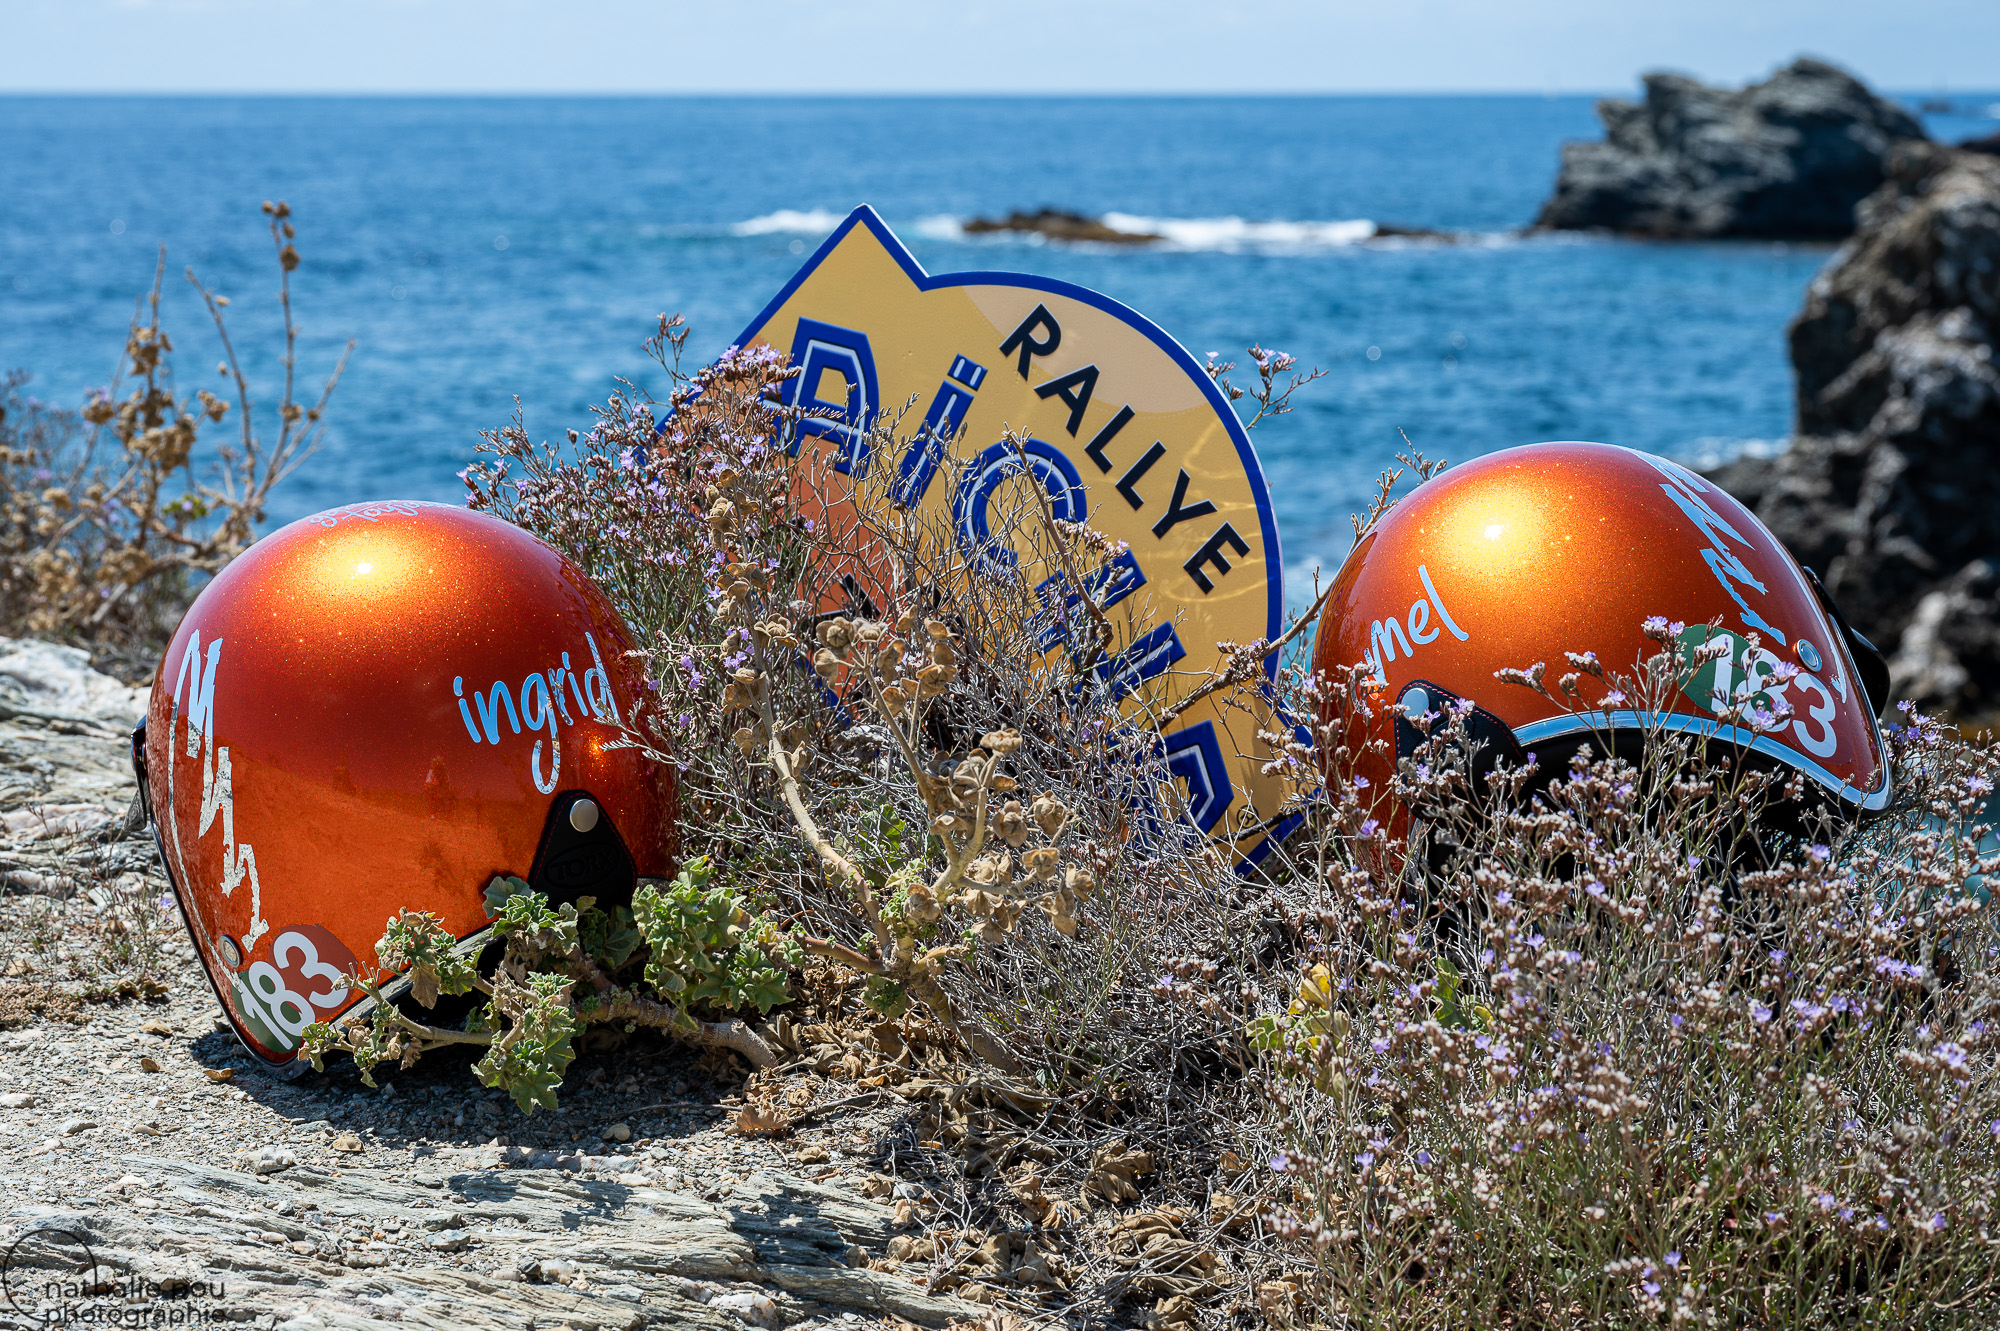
{"points": [[705, 950]]}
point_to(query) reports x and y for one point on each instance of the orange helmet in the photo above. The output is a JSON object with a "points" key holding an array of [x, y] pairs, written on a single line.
{"points": [[384, 706], [1524, 555]]}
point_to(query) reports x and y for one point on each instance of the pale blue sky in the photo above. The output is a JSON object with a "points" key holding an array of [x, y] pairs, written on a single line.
{"points": [[1038, 46]]}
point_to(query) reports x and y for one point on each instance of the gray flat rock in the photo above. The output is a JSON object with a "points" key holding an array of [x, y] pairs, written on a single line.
{"points": [[624, 1256]]}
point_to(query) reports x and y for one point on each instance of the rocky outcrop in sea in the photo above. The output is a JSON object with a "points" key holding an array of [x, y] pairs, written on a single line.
{"points": [[1891, 488], [1787, 158], [1058, 224]]}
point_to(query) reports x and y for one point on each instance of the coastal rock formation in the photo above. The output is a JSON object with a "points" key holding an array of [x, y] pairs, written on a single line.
{"points": [[1056, 224], [1891, 488], [1228, 233], [1784, 159]]}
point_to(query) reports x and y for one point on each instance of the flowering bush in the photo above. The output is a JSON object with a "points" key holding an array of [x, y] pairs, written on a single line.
{"points": [[1602, 1043], [1602, 1046]]}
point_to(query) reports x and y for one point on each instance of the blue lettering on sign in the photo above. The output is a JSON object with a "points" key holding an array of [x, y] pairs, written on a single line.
{"points": [[1106, 586], [1145, 659], [941, 425], [822, 348], [1195, 757], [967, 371], [1192, 756], [970, 507]]}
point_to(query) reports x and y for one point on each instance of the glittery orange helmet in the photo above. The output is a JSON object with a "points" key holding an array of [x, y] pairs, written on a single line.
{"points": [[1528, 554], [378, 707]]}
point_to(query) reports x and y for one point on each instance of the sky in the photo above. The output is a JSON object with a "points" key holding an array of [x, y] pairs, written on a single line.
{"points": [[962, 46]]}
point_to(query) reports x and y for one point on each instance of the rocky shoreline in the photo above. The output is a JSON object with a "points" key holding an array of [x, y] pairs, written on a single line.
{"points": [[1059, 224], [1891, 487], [1785, 159]]}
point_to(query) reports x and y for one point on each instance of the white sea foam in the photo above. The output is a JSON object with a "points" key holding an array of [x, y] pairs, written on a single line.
{"points": [[789, 221], [939, 226], [1713, 451], [1233, 235], [1225, 235]]}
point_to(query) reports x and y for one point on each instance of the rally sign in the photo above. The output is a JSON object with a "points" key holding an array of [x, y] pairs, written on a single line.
{"points": [[1021, 379]]}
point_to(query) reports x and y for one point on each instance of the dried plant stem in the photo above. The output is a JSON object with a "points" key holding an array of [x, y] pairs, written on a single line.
{"points": [[733, 1034], [900, 962], [1245, 662], [636, 1009]]}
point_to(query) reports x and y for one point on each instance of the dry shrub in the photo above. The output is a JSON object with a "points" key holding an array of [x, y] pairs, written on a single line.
{"points": [[872, 746], [1608, 1045], [1603, 1044], [112, 516]]}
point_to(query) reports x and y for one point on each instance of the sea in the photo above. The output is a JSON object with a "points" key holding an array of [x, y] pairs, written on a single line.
{"points": [[495, 256]]}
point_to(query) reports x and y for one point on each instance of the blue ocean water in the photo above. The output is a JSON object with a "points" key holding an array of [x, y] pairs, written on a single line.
{"points": [[481, 251]]}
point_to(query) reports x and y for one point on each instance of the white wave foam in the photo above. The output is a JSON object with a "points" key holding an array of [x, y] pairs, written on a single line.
{"points": [[1712, 451], [942, 226], [1226, 235], [1232, 235], [789, 221]]}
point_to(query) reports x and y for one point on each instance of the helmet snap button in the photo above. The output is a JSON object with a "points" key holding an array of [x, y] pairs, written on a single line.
{"points": [[1416, 703], [1809, 655], [583, 815]]}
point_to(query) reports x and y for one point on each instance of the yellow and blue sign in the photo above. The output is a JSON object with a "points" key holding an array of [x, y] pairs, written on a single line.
{"points": [[1122, 428]]}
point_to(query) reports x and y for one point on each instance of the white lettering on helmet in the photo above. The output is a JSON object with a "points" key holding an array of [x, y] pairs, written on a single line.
{"points": [[1686, 490], [1385, 634], [542, 705], [218, 797], [1382, 640]]}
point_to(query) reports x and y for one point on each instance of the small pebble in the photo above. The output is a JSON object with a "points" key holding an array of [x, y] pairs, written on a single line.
{"points": [[272, 1159], [618, 1132], [218, 1074], [76, 1125], [18, 1100], [156, 1028], [149, 1064], [756, 1309], [347, 1142]]}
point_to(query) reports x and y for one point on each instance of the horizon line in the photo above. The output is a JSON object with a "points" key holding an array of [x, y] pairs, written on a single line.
{"points": [[601, 94]]}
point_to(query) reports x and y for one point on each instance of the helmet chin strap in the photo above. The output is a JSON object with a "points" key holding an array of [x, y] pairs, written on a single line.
{"points": [[581, 854], [1868, 662]]}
